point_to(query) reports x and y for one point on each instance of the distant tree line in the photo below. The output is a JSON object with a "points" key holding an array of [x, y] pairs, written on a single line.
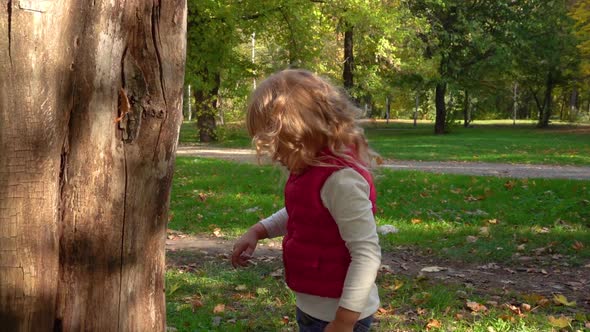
{"points": [[431, 59]]}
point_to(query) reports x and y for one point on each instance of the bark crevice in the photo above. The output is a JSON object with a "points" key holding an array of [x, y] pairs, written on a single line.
{"points": [[122, 263], [9, 11], [155, 39]]}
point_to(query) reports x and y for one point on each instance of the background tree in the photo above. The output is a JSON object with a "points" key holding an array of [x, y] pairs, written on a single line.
{"points": [[545, 51], [91, 104], [580, 12], [450, 56], [211, 37], [462, 34]]}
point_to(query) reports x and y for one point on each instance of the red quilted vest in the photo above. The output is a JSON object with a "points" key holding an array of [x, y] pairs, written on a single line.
{"points": [[315, 256]]}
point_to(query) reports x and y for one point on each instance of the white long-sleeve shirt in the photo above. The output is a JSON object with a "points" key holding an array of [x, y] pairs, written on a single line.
{"points": [[346, 195]]}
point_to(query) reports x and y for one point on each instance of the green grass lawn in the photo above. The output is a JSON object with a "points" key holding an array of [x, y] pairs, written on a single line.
{"points": [[484, 142], [433, 211], [462, 218], [216, 297]]}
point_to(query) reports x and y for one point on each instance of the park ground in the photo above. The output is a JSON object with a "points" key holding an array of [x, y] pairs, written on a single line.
{"points": [[512, 289]]}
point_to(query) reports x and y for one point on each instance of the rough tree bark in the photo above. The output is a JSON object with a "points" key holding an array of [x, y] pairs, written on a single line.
{"points": [[90, 109]]}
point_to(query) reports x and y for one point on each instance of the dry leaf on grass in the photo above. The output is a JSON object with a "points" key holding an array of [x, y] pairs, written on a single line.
{"points": [[217, 232], [219, 308], [433, 324], [578, 246], [196, 303], [476, 307]]}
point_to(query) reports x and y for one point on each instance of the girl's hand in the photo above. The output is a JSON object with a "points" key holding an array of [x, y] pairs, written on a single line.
{"points": [[344, 321], [246, 244], [336, 326]]}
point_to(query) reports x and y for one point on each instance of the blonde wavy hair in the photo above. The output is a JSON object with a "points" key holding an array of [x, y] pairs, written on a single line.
{"points": [[294, 115]]}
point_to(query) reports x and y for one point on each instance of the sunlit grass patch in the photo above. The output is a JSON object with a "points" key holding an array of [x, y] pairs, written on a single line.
{"points": [[216, 297], [485, 218], [209, 194], [420, 304], [465, 217], [487, 141]]}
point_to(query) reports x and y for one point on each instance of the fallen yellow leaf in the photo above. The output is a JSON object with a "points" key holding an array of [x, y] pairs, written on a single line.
{"points": [[560, 299], [241, 288], [561, 322]]}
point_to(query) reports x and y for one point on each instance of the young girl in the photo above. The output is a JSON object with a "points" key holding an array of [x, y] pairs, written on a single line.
{"points": [[331, 249]]}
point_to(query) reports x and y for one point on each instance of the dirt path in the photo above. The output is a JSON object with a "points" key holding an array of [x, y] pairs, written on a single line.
{"points": [[544, 275], [448, 167]]}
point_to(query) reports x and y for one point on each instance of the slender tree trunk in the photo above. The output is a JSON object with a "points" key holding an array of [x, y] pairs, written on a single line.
{"points": [[466, 110], [416, 110], [90, 108], [574, 104], [188, 104], [347, 73], [514, 104], [563, 110], [387, 109], [441, 112], [546, 110]]}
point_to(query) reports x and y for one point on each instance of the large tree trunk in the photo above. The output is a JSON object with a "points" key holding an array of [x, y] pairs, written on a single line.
{"points": [[441, 112], [347, 72], [90, 108]]}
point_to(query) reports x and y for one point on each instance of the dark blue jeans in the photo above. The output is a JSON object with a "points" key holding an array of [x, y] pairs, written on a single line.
{"points": [[308, 323]]}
